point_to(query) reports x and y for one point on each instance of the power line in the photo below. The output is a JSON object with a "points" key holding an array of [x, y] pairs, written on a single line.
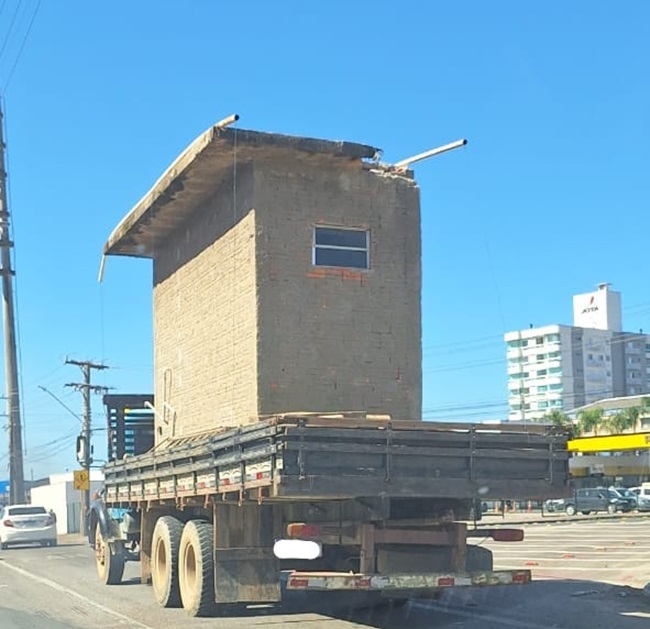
{"points": [[454, 347], [11, 25], [22, 45], [65, 406]]}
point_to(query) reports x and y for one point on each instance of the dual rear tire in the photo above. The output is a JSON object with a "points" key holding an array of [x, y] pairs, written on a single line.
{"points": [[196, 568], [165, 543], [182, 565]]}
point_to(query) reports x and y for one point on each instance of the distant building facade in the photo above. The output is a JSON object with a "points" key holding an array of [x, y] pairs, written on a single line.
{"points": [[564, 367], [612, 406], [60, 496]]}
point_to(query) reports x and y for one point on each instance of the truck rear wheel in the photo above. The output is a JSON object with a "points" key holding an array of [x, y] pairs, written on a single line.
{"points": [[110, 559], [165, 544], [196, 568]]}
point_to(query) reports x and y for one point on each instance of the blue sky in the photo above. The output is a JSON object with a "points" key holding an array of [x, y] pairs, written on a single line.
{"points": [[549, 198]]}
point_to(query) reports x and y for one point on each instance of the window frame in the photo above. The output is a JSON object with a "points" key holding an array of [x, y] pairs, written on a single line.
{"points": [[315, 246]]}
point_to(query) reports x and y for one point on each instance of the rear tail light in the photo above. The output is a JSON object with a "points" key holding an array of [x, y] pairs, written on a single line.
{"points": [[304, 531], [7, 523]]}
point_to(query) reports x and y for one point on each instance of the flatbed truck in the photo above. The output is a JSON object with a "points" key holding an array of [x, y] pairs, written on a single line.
{"points": [[384, 504], [287, 439]]}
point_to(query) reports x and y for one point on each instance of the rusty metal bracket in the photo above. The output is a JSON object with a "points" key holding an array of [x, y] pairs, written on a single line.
{"points": [[301, 449], [389, 444]]}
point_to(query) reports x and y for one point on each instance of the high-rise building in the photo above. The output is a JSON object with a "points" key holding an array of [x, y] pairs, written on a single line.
{"points": [[599, 310], [566, 366]]}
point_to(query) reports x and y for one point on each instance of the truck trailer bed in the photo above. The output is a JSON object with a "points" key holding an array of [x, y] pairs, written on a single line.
{"points": [[296, 457]]}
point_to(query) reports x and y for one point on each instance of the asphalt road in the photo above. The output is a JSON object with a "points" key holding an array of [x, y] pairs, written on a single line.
{"points": [[588, 575]]}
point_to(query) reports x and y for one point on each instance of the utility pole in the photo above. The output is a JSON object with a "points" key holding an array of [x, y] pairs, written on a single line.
{"points": [[16, 472], [84, 449]]}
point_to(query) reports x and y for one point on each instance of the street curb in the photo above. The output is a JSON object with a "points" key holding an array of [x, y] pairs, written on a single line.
{"points": [[561, 518]]}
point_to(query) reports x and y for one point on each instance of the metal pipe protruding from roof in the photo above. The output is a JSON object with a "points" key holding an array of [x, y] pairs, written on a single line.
{"points": [[102, 264], [431, 153], [227, 121]]}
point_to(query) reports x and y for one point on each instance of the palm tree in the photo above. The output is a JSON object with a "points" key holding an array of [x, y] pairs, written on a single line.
{"points": [[559, 419], [626, 419], [590, 420]]}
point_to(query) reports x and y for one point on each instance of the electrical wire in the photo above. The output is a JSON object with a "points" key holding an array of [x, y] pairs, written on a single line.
{"points": [[463, 366], [631, 337], [499, 403], [11, 25], [63, 404], [43, 378], [22, 45], [55, 452], [495, 340], [56, 441]]}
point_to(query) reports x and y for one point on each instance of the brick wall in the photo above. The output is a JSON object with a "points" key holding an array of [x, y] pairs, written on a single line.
{"points": [[334, 339], [245, 325], [205, 321]]}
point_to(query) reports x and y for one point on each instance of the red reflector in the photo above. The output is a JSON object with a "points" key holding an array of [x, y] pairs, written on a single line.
{"points": [[298, 583], [520, 577], [259, 475], [446, 581], [507, 535], [304, 531]]}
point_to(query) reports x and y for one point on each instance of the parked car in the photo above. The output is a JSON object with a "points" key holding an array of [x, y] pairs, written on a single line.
{"points": [[554, 505], [642, 497], [625, 494], [27, 524], [596, 499]]}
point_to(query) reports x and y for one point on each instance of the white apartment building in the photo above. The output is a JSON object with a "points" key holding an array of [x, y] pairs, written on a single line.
{"points": [[567, 366]]}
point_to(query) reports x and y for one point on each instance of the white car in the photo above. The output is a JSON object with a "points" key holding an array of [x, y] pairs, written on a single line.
{"points": [[642, 496], [26, 524]]}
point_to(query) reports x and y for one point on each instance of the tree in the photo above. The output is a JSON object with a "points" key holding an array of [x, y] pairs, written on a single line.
{"points": [[558, 418], [590, 420], [623, 420]]}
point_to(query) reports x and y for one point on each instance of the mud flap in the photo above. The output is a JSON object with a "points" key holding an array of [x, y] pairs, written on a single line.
{"points": [[246, 575]]}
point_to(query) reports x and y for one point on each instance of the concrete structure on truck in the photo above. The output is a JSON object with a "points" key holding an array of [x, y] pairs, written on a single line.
{"points": [[286, 276], [288, 390]]}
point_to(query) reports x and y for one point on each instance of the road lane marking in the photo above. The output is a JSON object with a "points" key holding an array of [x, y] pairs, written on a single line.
{"points": [[590, 552], [501, 621], [636, 614], [60, 588]]}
